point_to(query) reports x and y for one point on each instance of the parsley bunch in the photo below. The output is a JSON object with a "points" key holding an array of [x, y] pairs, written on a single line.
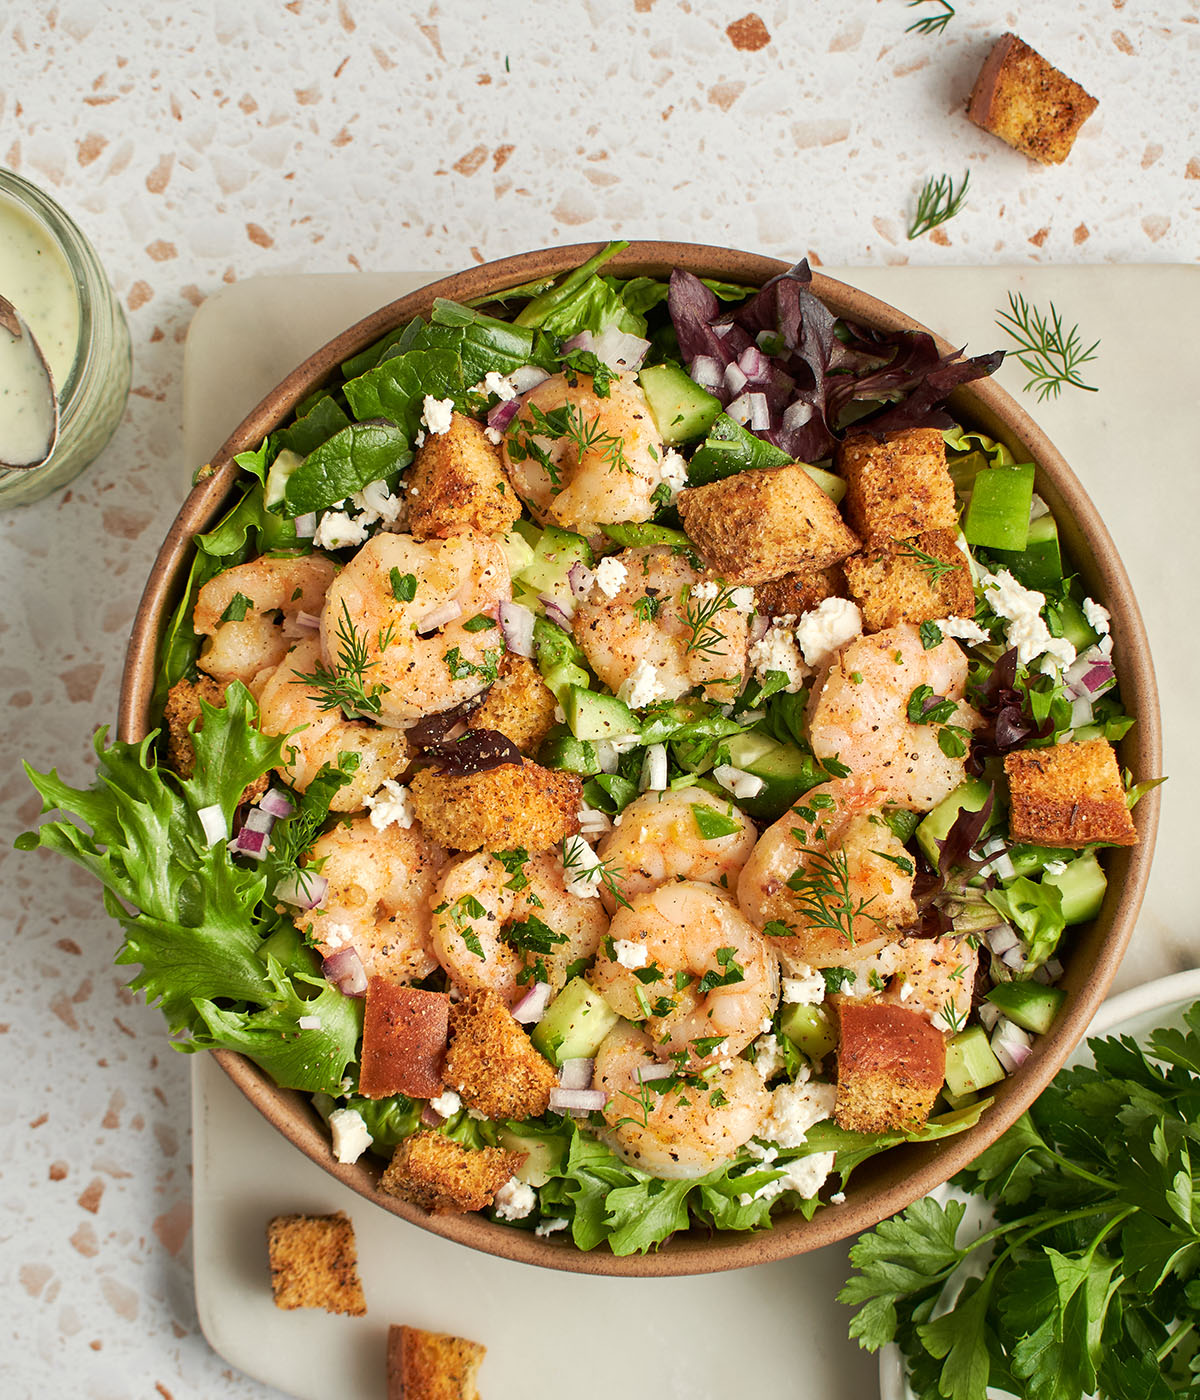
{"points": [[1087, 1282]]}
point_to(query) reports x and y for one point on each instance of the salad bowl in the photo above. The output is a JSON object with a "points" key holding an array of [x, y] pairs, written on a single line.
{"points": [[888, 1182]]}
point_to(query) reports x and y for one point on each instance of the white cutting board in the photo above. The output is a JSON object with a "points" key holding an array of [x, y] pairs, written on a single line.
{"points": [[774, 1329]]}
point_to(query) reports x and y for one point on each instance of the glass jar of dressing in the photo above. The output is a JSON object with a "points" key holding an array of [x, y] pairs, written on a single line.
{"points": [[52, 277]]}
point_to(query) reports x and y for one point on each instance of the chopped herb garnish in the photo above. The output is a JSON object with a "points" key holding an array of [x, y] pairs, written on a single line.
{"points": [[935, 568], [479, 623], [239, 605], [726, 974], [344, 686], [825, 897], [1053, 356], [706, 637], [900, 862], [836, 978], [404, 586], [712, 824], [938, 201], [647, 607], [460, 667], [931, 635], [531, 935], [931, 24]]}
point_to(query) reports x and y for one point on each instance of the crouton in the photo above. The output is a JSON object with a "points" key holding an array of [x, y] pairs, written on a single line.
{"points": [[797, 593], [513, 805], [432, 1365], [1027, 102], [441, 1175], [760, 525], [404, 1041], [492, 1062], [181, 710], [917, 580], [898, 487], [314, 1263], [1068, 795], [458, 479], [891, 1067], [520, 705]]}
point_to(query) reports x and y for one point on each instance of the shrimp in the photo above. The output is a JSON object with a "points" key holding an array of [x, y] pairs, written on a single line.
{"points": [[497, 923], [369, 626], [682, 1131], [318, 736], [251, 640], [832, 872], [604, 464], [377, 902], [684, 961], [935, 976], [858, 714], [659, 839], [669, 622]]}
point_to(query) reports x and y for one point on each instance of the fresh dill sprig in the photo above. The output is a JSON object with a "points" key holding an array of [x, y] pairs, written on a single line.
{"points": [[1053, 356], [937, 569], [699, 614], [825, 897], [344, 686], [588, 436], [940, 199], [931, 24], [604, 872]]}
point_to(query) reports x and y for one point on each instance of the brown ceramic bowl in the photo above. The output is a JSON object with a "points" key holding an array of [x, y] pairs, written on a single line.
{"points": [[887, 1183]]}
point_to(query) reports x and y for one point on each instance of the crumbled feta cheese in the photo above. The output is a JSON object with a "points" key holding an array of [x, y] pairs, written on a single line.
{"points": [[762, 1152], [335, 530], [805, 1177], [548, 1227], [447, 1103], [581, 865], [377, 502], [742, 599], [1021, 608], [807, 988], [309, 1023], [642, 687], [630, 954], [906, 989], [768, 1059], [673, 470], [838, 1198], [966, 629], [437, 414], [335, 936], [349, 1133], [500, 385], [418, 441], [391, 804], [794, 1109], [705, 592], [1037, 508], [594, 822], [610, 576], [830, 625], [776, 650], [1099, 619], [494, 436], [1055, 867], [514, 1200]]}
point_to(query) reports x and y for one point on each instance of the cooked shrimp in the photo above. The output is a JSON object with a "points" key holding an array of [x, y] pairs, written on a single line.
{"points": [[690, 632], [497, 925], [604, 467], [251, 640], [858, 714], [378, 898], [318, 736], [831, 871], [659, 839], [677, 1132], [686, 963], [935, 976], [413, 675]]}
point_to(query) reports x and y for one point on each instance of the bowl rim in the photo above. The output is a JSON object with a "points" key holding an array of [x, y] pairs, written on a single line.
{"points": [[887, 1183]]}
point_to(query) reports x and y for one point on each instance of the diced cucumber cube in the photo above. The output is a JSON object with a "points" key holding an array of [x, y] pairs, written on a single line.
{"points": [[591, 715], [809, 1028], [575, 1023], [998, 515], [1082, 885], [1039, 565], [681, 409], [970, 1064], [542, 1156], [1030, 1005]]}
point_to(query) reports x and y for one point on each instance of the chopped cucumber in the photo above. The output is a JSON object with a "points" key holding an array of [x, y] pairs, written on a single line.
{"points": [[1075, 625], [554, 646], [564, 677], [518, 551], [787, 773], [591, 715], [1039, 565], [998, 515], [902, 824], [555, 551], [970, 1064], [970, 795], [575, 1023], [1082, 885], [809, 1028], [561, 749], [1028, 860], [681, 409], [275, 486], [833, 486], [964, 468], [1030, 1005], [542, 1156], [633, 534]]}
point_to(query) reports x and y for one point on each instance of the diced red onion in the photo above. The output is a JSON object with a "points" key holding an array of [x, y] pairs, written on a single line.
{"points": [[305, 525], [257, 819], [647, 1074], [760, 412], [1081, 712], [760, 625], [739, 409], [1014, 959], [500, 415], [1099, 678], [303, 889], [654, 769], [1001, 939], [577, 1100], [583, 341], [311, 622], [556, 613], [989, 1014], [249, 843], [527, 377], [707, 372], [593, 822], [438, 617], [431, 1117], [737, 780], [581, 579], [345, 970], [795, 415], [607, 755], [754, 364], [278, 803], [212, 819], [516, 623], [721, 328], [532, 1006], [1011, 1045], [618, 349], [576, 1074], [734, 380]]}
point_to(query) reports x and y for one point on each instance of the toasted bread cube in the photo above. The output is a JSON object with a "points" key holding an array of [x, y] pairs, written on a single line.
{"points": [[891, 1067], [513, 805], [799, 592], [441, 1175], [404, 1041], [917, 580], [899, 486], [1068, 795], [432, 1365], [458, 479], [181, 711], [520, 705], [314, 1263], [760, 525], [492, 1063], [1027, 102]]}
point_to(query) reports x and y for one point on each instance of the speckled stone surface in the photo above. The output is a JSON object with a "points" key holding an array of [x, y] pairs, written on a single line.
{"points": [[205, 143]]}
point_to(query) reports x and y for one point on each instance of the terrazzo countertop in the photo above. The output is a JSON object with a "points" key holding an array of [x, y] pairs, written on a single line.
{"points": [[198, 144]]}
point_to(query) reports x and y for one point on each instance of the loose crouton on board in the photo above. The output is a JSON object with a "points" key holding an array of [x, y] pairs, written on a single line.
{"points": [[899, 486], [520, 705], [441, 1175], [404, 1040], [513, 805], [492, 1063], [314, 1263], [891, 1067], [760, 525], [432, 1365], [917, 580], [1068, 795], [458, 479], [1027, 102], [799, 592]]}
